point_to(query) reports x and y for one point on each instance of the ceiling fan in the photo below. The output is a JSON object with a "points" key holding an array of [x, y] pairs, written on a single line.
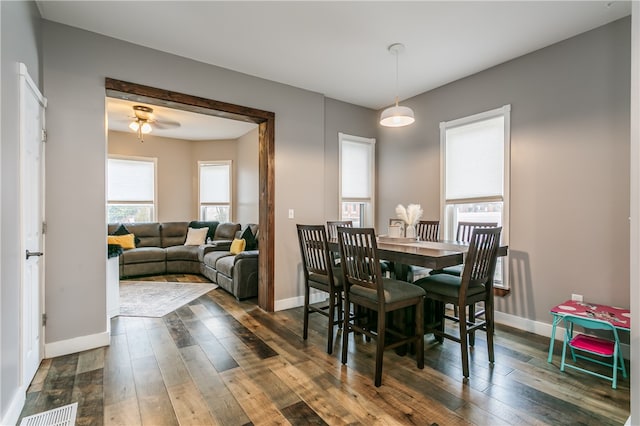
{"points": [[144, 121]]}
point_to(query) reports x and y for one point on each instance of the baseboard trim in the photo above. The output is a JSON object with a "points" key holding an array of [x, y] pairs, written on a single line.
{"points": [[294, 302], [77, 344], [15, 408], [543, 329]]}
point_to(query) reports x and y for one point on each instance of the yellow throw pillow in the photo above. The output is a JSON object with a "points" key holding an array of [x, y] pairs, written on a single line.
{"points": [[237, 246], [125, 241], [196, 236]]}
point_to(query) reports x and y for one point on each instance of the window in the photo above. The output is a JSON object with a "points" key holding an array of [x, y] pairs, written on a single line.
{"points": [[131, 189], [475, 174], [215, 190], [357, 178]]}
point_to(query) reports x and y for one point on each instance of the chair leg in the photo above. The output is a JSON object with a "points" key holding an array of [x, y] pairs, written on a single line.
{"points": [[439, 314], [305, 326], [381, 328], [340, 310], [331, 322], [488, 316], [420, 333], [345, 329], [472, 318], [464, 346], [614, 379]]}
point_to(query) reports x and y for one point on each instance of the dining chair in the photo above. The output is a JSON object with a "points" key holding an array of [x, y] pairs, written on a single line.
{"points": [[364, 286], [332, 234], [427, 230], [463, 235], [592, 345], [322, 274], [475, 285]]}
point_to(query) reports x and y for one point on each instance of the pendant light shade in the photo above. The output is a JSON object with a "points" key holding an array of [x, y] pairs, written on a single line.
{"points": [[397, 116]]}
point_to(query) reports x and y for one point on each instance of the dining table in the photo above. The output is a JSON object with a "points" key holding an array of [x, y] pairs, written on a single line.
{"points": [[428, 254]]}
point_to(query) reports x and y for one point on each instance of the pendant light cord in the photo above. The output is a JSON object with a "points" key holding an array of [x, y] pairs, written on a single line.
{"points": [[397, 85]]}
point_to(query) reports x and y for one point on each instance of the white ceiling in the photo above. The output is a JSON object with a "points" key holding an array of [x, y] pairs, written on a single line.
{"points": [[339, 48]]}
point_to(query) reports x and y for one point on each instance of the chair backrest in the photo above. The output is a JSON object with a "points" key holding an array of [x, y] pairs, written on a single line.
{"points": [[592, 324], [360, 262], [428, 230], [315, 251], [332, 227], [480, 260], [465, 229]]}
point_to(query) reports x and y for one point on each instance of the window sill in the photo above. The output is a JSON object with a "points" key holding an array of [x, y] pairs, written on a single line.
{"points": [[501, 292]]}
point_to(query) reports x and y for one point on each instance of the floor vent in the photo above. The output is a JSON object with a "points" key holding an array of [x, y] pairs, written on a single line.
{"points": [[61, 416]]}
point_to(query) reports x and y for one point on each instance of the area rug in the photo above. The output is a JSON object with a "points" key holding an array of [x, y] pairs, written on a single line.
{"points": [[157, 299]]}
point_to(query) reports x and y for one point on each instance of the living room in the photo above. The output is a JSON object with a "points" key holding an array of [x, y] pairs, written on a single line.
{"points": [[570, 145]]}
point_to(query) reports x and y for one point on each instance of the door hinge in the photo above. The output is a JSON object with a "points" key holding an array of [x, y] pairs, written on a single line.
{"points": [[44, 319], [44, 228], [44, 135]]}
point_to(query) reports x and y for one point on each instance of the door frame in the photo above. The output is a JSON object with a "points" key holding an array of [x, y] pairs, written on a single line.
{"points": [[266, 164]]}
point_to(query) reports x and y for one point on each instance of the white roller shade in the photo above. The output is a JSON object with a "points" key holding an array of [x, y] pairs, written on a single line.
{"points": [[130, 180], [214, 183], [356, 170], [475, 160]]}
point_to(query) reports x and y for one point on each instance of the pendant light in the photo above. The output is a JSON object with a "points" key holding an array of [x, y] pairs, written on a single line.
{"points": [[397, 116]]}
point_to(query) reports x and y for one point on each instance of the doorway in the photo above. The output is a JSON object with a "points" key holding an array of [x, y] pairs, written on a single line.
{"points": [[266, 143]]}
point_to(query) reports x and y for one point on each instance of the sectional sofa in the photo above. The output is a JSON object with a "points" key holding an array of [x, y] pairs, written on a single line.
{"points": [[160, 249]]}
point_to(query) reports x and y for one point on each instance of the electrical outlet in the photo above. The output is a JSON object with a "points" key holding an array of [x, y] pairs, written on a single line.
{"points": [[576, 297], [290, 213]]}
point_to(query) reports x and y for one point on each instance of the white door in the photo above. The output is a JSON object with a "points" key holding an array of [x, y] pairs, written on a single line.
{"points": [[32, 135]]}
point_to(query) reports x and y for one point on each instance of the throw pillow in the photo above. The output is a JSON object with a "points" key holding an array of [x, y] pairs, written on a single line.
{"points": [[237, 246], [248, 236], [124, 241], [122, 230], [196, 236]]}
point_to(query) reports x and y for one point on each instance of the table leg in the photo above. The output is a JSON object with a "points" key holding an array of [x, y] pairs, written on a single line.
{"points": [[556, 320]]}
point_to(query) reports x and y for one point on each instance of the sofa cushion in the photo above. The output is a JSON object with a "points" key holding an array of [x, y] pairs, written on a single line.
{"points": [[225, 264], [148, 233], [226, 231], [182, 253], [212, 258], [144, 255], [196, 236], [212, 225], [173, 233], [122, 230], [237, 246], [125, 241], [249, 234]]}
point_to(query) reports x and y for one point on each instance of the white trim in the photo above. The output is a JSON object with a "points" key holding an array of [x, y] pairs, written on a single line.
{"points": [[295, 302], [541, 328], [12, 414], [76, 344]]}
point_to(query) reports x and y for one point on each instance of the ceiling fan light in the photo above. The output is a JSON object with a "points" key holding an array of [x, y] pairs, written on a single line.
{"points": [[134, 126], [146, 128], [397, 116]]}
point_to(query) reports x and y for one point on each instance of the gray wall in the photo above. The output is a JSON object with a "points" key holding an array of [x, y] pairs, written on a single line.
{"points": [[20, 42], [569, 166], [75, 65], [247, 179]]}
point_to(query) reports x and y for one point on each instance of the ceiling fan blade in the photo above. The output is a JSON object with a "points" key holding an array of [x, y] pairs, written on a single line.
{"points": [[165, 124]]}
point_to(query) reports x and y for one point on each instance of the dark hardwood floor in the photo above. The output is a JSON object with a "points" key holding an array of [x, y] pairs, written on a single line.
{"points": [[217, 361]]}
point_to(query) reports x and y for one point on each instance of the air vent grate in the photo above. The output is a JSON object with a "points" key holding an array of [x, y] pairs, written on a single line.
{"points": [[61, 416]]}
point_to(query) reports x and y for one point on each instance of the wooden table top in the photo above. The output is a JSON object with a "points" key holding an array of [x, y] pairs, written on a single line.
{"points": [[429, 254]]}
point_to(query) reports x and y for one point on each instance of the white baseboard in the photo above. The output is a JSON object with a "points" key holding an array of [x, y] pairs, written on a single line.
{"points": [[77, 344], [294, 302], [15, 408], [543, 329]]}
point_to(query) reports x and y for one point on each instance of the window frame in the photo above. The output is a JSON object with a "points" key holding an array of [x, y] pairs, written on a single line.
{"points": [[154, 204], [367, 218], [449, 232], [231, 198]]}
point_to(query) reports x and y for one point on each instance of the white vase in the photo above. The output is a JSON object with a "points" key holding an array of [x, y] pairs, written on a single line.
{"points": [[410, 231]]}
